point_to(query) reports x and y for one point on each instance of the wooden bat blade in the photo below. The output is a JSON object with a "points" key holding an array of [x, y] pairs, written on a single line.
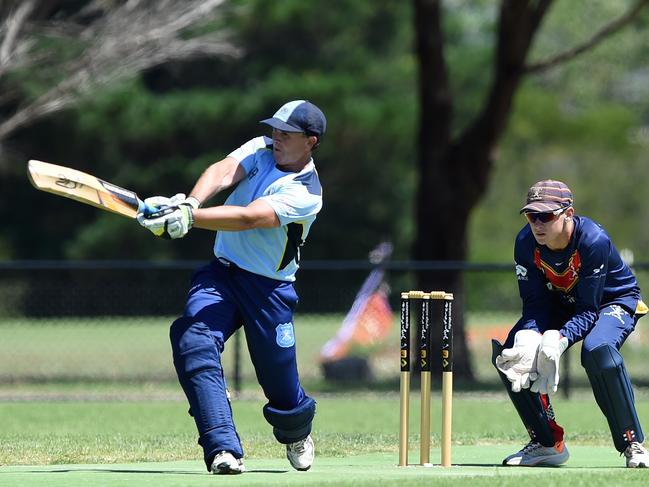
{"points": [[85, 188]]}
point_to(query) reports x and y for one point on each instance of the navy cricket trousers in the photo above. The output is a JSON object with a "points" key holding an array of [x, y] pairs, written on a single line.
{"points": [[221, 299]]}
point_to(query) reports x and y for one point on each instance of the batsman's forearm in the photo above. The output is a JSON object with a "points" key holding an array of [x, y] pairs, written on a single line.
{"points": [[230, 218]]}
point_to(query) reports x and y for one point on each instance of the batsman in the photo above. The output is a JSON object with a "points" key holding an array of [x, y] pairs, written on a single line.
{"points": [[574, 288], [249, 284]]}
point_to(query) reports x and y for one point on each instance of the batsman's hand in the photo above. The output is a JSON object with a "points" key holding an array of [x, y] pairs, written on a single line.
{"points": [[177, 199], [519, 362], [169, 222], [552, 347], [160, 202]]}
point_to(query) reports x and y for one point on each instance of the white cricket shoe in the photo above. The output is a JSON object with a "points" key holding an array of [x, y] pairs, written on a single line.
{"points": [[301, 453], [225, 463], [636, 455], [534, 454]]}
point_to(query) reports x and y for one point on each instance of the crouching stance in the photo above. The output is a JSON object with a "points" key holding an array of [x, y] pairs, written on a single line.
{"points": [[574, 287], [261, 227]]}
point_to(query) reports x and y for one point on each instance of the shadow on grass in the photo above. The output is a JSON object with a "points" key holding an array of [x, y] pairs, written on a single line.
{"points": [[135, 470]]}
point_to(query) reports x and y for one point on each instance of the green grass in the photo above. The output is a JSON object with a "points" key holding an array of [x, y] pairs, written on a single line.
{"points": [[136, 350], [473, 468], [99, 432], [96, 402], [110, 443], [122, 349]]}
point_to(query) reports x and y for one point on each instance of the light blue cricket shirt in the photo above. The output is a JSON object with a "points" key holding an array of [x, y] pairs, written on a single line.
{"points": [[296, 198]]}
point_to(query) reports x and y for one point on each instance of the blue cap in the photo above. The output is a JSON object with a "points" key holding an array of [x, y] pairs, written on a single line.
{"points": [[299, 116]]}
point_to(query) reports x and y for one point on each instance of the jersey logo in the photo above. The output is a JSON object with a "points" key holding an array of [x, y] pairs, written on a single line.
{"points": [[563, 281], [521, 272], [285, 336], [616, 312], [253, 172]]}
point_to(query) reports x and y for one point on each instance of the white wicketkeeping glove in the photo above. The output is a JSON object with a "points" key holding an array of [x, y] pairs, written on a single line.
{"points": [[519, 362], [552, 346]]}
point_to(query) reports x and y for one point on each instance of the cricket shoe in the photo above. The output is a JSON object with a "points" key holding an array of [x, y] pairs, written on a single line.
{"points": [[224, 463], [536, 455], [301, 453], [636, 456]]}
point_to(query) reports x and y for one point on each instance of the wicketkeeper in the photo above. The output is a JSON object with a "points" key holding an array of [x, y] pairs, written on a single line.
{"points": [[249, 284], [574, 287]]}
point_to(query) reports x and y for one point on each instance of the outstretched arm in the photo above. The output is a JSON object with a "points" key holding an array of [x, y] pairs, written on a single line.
{"points": [[176, 221], [258, 214]]}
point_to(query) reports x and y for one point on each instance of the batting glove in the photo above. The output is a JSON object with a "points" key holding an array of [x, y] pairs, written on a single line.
{"points": [[163, 201], [519, 362], [552, 346], [170, 222]]}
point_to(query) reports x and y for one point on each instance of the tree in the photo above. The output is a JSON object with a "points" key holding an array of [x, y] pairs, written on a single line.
{"points": [[84, 45], [454, 168]]}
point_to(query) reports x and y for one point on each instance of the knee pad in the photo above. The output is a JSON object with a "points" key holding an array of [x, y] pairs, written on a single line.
{"points": [[535, 412], [291, 425], [614, 394], [193, 348]]}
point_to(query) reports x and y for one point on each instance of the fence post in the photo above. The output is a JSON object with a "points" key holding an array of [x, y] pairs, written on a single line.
{"points": [[566, 374], [237, 361]]}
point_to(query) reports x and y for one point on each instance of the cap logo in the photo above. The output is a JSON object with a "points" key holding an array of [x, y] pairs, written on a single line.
{"points": [[285, 112], [547, 195]]}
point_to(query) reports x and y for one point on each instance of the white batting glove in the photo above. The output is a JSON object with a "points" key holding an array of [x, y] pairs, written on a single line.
{"points": [[519, 362], [170, 222], [552, 346], [162, 201]]}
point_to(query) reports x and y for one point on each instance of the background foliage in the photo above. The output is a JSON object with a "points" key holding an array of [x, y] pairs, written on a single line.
{"points": [[585, 122]]}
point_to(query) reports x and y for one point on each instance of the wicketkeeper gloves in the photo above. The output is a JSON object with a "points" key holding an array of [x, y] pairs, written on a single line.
{"points": [[550, 350], [519, 362]]}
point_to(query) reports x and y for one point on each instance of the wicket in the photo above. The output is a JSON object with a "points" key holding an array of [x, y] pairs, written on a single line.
{"points": [[424, 357]]}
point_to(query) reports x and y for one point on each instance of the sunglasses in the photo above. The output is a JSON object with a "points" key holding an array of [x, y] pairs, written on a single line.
{"points": [[545, 217]]}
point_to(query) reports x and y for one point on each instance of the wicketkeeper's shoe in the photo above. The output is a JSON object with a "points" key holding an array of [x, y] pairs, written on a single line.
{"points": [[301, 453], [636, 456], [536, 455], [225, 463]]}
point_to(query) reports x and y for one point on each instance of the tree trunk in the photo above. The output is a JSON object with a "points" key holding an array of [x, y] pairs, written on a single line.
{"points": [[454, 173]]}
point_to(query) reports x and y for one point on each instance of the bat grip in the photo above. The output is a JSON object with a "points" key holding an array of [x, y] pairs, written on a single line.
{"points": [[146, 209]]}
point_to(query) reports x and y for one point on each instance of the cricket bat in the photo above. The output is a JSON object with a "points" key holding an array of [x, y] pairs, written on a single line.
{"points": [[88, 189]]}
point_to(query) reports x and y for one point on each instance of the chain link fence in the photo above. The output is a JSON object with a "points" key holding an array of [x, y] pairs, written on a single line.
{"points": [[107, 322]]}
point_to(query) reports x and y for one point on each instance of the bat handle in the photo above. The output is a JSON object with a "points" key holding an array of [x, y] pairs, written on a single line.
{"points": [[146, 209]]}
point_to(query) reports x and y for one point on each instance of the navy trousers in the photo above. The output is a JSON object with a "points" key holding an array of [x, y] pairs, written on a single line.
{"points": [[222, 298]]}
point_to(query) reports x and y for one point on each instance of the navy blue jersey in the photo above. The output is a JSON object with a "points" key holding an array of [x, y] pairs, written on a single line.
{"points": [[575, 282]]}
